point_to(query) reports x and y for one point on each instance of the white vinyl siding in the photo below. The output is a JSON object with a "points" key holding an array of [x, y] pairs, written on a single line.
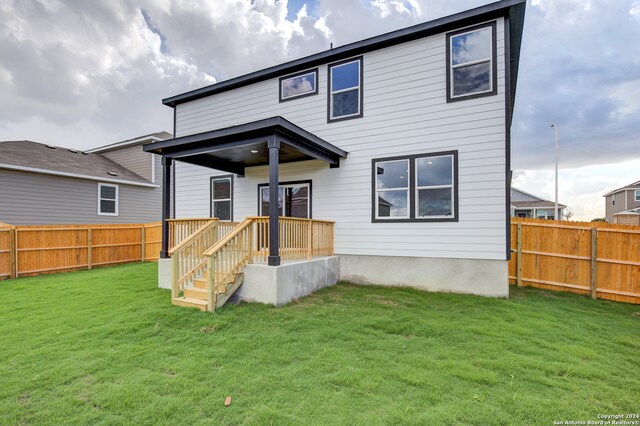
{"points": [[405, 113]]}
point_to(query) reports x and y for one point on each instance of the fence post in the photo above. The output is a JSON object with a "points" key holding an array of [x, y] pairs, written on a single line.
{"points": [[519, 256], [594, 262], [142, 243], [13, 251], [16, 265], [89, 242]]}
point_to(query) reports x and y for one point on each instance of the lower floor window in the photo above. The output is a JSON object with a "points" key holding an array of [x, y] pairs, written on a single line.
{"points": [[416, 188], [222, 197], [294, 199]]}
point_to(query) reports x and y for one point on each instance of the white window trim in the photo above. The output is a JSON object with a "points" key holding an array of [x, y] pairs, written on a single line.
{"points": [[117, 200], [453, 67], [637, 195], [613, 199], [348, 89], [218, 200], [313, 91], [407, 189], [418, 188]]}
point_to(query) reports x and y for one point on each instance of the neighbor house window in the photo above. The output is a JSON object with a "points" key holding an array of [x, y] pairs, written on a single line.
{"points": [[222, 197], [107, 199], [613, 200], [345, 90], [471, 63], [416, 188], [637, 194], [299, 85]]}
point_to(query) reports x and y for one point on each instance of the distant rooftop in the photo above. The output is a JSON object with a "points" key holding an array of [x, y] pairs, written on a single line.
{"points": [[36, 157]]}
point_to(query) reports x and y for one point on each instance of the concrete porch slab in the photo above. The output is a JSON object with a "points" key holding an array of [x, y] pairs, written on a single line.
{"points": [[278, 285]]}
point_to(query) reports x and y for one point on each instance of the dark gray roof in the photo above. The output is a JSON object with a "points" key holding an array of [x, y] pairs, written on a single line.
{"points": [[58, 160], [535, 204], [513, 9]]}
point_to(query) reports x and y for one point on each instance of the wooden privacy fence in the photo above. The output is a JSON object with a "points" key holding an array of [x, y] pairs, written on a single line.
{"points": [[598, 259], [41, 249]]}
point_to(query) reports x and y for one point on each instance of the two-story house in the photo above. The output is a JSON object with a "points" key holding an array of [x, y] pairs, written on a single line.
{"points": [[527, 205], [622, 204], [44, 184], [402, 140]]}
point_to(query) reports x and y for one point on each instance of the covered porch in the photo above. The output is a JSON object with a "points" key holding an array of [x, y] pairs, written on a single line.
{"points": [[208, 256]]}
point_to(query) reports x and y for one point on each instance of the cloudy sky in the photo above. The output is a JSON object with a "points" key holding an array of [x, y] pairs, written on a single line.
{"points": [[83, 73]]}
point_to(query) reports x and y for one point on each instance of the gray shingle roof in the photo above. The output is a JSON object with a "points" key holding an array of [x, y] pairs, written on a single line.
{"points": [[33, 155], [535, 204]]}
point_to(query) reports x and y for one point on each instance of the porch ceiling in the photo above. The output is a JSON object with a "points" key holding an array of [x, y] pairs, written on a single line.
{"points": [[232, 149]]}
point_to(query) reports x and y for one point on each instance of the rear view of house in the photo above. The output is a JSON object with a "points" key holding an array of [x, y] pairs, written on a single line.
{"points": [[401, 141], [45, 184]]}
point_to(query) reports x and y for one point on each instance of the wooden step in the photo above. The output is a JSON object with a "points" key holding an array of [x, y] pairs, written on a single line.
{"points": [[195, 293], [190, 303], [200, 283]]}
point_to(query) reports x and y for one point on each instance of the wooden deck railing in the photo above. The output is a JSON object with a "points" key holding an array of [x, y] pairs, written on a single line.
{"points": [[227, 258], [180, 229], [187, 258], [233, 246]]}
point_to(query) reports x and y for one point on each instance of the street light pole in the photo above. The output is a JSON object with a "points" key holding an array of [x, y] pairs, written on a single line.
{"points": [[557, 217]]}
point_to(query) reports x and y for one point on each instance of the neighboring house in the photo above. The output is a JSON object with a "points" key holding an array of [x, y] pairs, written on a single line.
{"points": [[621, 200], [43, 184], [402, 139], [628, 217], [524, 204]]}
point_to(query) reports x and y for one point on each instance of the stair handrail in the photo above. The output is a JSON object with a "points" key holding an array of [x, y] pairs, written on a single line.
{"points": [[187, 258], [227, 258]]}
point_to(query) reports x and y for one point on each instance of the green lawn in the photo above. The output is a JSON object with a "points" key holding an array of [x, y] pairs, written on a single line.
{"points": [[106, 346]]}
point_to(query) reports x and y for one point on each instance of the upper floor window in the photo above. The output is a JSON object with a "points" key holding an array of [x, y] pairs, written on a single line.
{"points": [[107, 199], [637, 194], [222, 197], [613, 200], [345, 89], [299, 85], [471, 63], [416, 188]]}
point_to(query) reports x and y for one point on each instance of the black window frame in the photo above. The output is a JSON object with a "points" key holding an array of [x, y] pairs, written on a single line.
{"points": [[359, 59], [298, 74], [291, 182], [411, 204], [493, 68], [211, 201]]}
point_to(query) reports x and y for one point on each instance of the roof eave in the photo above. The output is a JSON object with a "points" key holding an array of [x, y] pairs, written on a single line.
{"points": [[76, 175]]}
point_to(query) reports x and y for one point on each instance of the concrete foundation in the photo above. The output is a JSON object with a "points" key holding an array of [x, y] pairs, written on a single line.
{"points": [[164, 273], [278, 285], [481, 277]]}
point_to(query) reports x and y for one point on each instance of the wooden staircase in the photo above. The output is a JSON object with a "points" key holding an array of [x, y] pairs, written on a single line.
{"points": [[196, 296]]}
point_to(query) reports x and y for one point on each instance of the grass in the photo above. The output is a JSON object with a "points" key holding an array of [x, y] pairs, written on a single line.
{"points": [[105, 346]]}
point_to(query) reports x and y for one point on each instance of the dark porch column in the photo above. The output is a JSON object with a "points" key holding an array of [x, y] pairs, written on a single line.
{"points": [[166, 204], [274, 235]]}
